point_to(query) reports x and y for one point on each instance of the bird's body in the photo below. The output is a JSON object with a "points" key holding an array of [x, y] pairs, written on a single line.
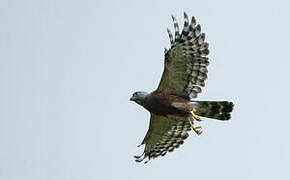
{"points": [[172, 106], [162, 104]]}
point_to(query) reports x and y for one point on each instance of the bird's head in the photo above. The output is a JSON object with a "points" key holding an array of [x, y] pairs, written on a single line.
{"points": [[139, 97]]}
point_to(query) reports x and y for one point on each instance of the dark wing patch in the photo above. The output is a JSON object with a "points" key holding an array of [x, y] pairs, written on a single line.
{"points": [[186, 63], [164, 135]]}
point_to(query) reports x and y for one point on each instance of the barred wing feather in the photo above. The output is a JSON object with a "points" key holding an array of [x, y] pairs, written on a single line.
{"points": [[186, 61], [164, 135]]}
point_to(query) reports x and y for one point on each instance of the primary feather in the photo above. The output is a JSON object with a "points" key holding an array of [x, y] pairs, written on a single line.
{"points": [[186, 63]]}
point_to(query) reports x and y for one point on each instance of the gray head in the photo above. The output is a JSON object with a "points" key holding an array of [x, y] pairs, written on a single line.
{"points": [[139, 97]]}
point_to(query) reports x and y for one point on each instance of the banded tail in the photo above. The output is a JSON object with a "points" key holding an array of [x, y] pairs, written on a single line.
{"points": [[213, 109]]}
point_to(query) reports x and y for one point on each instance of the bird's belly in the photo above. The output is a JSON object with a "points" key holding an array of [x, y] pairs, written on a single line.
{"points": [[164, 109]]}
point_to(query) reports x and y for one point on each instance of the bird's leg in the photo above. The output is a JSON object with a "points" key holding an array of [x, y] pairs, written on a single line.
{"points": [[195, 116], [198, 129]]}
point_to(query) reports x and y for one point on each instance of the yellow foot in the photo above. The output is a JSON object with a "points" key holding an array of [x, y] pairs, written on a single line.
{"points": [[197, 129], [195, 116]]}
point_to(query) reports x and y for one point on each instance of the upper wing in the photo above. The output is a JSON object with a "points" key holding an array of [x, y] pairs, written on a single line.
{"points": [[186, 63], [164, 135]]}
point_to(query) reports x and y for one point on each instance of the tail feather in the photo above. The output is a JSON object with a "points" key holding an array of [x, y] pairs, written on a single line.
{"points": [[213, 109]]}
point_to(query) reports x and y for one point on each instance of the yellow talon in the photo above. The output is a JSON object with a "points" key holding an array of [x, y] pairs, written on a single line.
{"points": [[195, 116], [197, 130]]}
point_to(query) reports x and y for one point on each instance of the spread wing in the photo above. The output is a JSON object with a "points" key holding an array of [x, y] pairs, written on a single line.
{"points": [[164, 135], [186, 63]]}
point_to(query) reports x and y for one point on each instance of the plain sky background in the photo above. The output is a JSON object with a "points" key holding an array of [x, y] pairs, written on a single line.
{"points": [[68, 69]]}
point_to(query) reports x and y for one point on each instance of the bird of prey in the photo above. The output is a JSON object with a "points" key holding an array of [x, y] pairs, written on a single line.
{"points": [[172, 106]]}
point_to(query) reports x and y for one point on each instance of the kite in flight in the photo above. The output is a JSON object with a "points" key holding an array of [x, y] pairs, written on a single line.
{"points": [[172, 108]]}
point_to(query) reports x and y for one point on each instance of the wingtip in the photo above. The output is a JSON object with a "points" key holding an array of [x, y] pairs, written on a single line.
{"points": [[185, 15], [165, 50], [173, 17], [193, 21]]}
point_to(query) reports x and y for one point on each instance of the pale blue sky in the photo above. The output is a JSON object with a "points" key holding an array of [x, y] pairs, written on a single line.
{"points": [[68, 69]]}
